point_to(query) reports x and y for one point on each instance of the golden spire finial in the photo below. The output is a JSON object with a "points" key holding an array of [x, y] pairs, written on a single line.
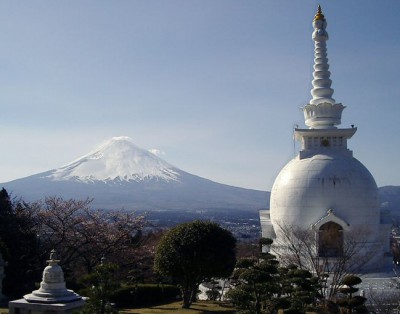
{"points": [[319, 15]]}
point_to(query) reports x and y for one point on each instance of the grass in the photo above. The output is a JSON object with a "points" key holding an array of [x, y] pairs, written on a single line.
{"points": [[201, 307]]}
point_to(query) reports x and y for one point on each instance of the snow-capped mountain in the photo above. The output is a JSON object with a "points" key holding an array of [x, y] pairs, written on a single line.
{"points": [[117, 159], [121, 175]]}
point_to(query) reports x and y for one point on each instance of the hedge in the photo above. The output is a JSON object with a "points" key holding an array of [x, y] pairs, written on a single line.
{"points": [[145, 294]]}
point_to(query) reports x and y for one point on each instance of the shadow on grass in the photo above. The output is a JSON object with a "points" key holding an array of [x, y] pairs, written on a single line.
{"points": [[176, 307]]}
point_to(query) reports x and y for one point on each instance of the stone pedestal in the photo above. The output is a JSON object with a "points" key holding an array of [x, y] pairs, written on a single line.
{"points": [[52, 297], [22, 306]]}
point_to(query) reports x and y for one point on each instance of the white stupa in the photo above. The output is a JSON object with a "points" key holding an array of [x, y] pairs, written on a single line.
{"points": [[324, 188], [51, 297], [52, 288]]}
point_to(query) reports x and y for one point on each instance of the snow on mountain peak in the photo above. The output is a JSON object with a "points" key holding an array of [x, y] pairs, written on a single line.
{"points": [[117, 159]]}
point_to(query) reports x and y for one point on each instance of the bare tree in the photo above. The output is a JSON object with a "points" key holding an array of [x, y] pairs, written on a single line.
{"points": [[299, 246], [82, 236]]}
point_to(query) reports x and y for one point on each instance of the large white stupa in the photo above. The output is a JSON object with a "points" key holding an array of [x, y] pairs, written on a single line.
{"points": [[324, 188]]}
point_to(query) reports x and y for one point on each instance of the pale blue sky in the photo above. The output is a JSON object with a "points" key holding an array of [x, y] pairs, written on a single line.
{"points": [[216, 85]]}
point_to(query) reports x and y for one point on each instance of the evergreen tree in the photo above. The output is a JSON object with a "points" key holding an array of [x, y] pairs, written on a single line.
{"points": [[17, 234], [300, 289], [101, 287], [349, 302], [261, 287], [255, 283], [193, 252]]}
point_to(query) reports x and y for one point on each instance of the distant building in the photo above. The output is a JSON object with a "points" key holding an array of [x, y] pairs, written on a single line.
{"points": [[324, 188]]}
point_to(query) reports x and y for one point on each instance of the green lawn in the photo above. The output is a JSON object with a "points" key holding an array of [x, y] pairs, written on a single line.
{"points": [[201, 307]]}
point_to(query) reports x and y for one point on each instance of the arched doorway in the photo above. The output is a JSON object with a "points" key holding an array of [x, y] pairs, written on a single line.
{"points": [[330, 240]]}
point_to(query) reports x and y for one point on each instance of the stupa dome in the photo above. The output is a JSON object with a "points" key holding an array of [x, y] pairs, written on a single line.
{"points": [[306, 189]]}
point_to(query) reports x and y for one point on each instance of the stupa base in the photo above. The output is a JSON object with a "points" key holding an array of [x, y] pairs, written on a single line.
{"points": [[22, 306]]}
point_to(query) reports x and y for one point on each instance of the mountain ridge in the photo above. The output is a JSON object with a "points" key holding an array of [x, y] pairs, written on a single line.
{"points": [[119, 174]]}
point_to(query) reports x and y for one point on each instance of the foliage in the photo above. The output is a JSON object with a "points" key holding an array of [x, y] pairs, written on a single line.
{"points": [[194, 251], [255, 283], [101, 288], [261, 286], [300, 288], [81, 235], [215, 292], [351, 280], [18, 247], [142, 270], [144, 295], [349, 301], [264, 244], [247, 249]]}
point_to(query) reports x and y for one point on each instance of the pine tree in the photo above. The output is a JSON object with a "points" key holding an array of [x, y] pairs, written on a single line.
{"points": [[20, 244]]}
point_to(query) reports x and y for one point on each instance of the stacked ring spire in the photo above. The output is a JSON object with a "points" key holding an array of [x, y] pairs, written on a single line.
{"points": [[321, 91]]}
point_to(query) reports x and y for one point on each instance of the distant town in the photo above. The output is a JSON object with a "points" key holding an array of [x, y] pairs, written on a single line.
{"points": [[244, 225]]}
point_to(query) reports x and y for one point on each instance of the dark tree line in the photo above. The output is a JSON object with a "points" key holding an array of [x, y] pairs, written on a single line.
{"points": [[19, 246]]}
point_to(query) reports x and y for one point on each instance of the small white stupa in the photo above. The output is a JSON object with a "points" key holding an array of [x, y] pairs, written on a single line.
{"points": [[52, 296], [324, 189]]}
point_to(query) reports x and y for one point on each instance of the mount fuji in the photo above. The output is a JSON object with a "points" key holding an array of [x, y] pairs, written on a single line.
{"points": [[119, 174], [116, 160]]}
